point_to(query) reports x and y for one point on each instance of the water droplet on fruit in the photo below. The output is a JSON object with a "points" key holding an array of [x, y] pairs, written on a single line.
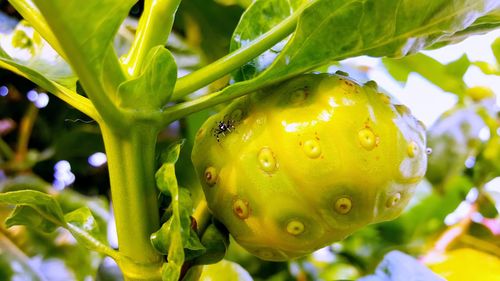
{"points": [[210, 176], [412, 149], [385, 98], [267, 160], [312, 148], [343, 205], [367, 138], [240, 208], [393, 200], [295, 227]]}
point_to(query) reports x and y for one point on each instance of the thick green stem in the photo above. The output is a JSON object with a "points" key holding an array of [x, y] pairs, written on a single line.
{"points": [[131, 156], [153, 30], [180, 110]]}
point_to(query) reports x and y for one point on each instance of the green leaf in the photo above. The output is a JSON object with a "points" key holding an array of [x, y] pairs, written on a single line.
{"points": [[193, 247], [40, 210], [168, 178], [26, 47], [458, 67], [447, 77], [216, 242], [68, 199], [484, 24], [243, 3], [154, 86], [85, 30], [162, 239], [487, 68], [175, 234], [46, 206], [82, 224], [259, 18], [40, 79], [334, 30], [495, 47], [25, 215]]}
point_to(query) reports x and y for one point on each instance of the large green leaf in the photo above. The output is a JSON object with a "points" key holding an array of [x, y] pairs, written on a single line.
{"points": [[62, 92], [39, 210], [482, 25], [26, 47], [333, 30], [68, 199], [44, 205], [258, 19], [85, 30], [447, 77]]}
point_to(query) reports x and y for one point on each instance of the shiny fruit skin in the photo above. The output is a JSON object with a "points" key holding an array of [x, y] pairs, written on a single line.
{"points": [[307, 163]]}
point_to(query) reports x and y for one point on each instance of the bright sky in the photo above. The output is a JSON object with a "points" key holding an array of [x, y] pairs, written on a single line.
{"points": [[426, 100]]}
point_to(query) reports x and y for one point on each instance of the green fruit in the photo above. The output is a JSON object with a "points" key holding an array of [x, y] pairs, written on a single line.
{"points": [[453, 139], [304, 164], [224, 271]]}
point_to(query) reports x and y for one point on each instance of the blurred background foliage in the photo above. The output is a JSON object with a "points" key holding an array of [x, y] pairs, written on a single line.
{"points": [[452, 225]]}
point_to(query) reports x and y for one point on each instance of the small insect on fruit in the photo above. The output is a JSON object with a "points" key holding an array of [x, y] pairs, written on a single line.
{"points": [[223, 128]]}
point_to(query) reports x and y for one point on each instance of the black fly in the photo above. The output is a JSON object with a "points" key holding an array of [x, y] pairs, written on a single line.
{"points": [[223, 128]]}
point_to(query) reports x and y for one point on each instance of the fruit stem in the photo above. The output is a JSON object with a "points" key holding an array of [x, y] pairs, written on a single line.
{"points": [[202, 216]]}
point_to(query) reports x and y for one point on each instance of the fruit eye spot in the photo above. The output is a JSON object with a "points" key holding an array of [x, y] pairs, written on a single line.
{"points": [[371, 84], [412, 149], [385, 99], [210, 176], [298, 96], [200, 134], [295, 227], [236, 115], [312, 148], [267, 160], [240, 208], [393, 200], [367, 139], [343, 205], [402, 109], [266, 254]]}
